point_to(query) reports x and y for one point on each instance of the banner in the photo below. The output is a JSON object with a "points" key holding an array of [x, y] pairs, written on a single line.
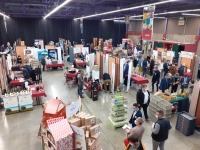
{"points": [[129, 76], [85, 50], [39, 43], [148, 15], [81, 26], [113, 78], [187, 54]]}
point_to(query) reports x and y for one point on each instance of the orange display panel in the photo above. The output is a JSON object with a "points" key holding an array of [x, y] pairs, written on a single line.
{"points": [[20, 51], [186, 61], [49, 47], [110, 61]]}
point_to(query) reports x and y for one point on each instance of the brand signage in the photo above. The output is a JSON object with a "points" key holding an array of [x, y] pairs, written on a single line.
{"points": [[187, 54], [147, 35]]}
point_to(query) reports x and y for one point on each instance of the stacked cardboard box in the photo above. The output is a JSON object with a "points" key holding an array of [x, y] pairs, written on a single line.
{"points": [[87, 122]]}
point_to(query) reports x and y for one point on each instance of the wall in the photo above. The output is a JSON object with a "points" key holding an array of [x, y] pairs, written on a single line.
{"points": [[159, 26], [135, 25], [173, 27], [192, 25]]}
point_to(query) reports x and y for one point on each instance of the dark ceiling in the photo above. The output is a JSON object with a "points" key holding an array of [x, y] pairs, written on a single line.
{"points": [[77, 8]]}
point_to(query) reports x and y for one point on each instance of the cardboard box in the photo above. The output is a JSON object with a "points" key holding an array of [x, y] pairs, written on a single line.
{"points": [[76, 122], [84, 128], [94, 130], [90, 121], [22, 43], [96, 67], [87, 135], [83, 119]]}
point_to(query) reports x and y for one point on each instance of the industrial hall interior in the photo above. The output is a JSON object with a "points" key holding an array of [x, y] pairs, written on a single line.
{"points": [[99, 75]]}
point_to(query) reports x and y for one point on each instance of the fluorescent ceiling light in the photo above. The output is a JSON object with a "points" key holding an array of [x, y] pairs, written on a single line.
{"points": [[121, 18], [4, 15], [174, 12], [160, 17], [126, 9], [190, 14], [57, 8]]}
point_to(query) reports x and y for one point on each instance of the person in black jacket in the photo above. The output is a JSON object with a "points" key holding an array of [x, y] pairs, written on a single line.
{"points": [[160, 131], [135, 63], [143, 99], [144, 67], [155, 79], [165, 68], [152, 63]]}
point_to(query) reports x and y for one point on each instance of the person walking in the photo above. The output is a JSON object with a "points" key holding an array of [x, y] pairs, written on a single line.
{"points": [[152, 63], [144, 67], [143, 99], [160, 131], [43, 62], [173, 69], [80, 83], [164, 84], [136, 113], [126, 70], [138, 130], [155, 79]]}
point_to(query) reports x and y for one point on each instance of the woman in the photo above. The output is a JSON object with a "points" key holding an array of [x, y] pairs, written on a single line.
{"points": [[134, 144], [138, 130]]}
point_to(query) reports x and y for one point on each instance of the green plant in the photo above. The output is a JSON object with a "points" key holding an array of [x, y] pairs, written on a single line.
{"points": [[23, 108]]}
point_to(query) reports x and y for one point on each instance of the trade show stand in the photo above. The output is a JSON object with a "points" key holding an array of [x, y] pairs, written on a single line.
{"points": [[71, 76], [60, 65], [16, 82], [137, 79]]}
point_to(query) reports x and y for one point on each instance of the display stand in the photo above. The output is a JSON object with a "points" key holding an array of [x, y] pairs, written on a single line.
{"points": [[25, 102], [71, 53], [94, 91], [11, 105], [118, 111]]}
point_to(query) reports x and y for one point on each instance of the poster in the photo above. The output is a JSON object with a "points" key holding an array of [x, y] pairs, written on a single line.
{"points": [[80, 143], [113, 78], [129, 75], [41, 53], [39, 43], [53, 54], [147, 26], [72, 109], [85, 50], [77, 50], [28, 52], [59, 53]]}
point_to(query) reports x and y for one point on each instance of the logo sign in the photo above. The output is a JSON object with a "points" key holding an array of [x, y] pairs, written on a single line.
{"points": [[147, 35]]}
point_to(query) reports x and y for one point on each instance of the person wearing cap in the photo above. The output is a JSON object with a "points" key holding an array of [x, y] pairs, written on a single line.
{"points": [[184, 82], [155, 79], [138, 130]]}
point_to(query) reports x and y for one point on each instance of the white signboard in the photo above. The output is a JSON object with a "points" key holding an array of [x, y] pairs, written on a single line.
{"points": [[79, 138], [91, 60], [105, 64], [129, 75], [187, 54], [85, 50], [155, 53], [77, 50], [113, 78], [122, 61], [72, 109], [59, 53], [9, 62]]}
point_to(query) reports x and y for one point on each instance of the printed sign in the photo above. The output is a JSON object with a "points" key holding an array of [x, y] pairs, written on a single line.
{"points": [[77, 50], [72, 109], [187, 54]]}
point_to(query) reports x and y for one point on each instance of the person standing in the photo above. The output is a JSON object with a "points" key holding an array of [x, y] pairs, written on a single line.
{"points": [[135, 62], [107, 80], [140, 65], [80, 83], [138, 130], [126, 69], [172, 69], [184, 83], [164, 84], [143, 99], [136, 113], [43, 62], [165, 68], [175, 82], [160, 131], [155, 79], [144, 67], [152, 63], [181, 70]]}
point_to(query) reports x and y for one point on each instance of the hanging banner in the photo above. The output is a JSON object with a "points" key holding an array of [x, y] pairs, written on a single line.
{"points": [[113, 78], [129, 76], [39, 43], [81, 26], [148, 15]]}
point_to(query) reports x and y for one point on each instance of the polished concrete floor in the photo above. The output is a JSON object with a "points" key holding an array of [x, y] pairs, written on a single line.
{"points": [[19, 131]]}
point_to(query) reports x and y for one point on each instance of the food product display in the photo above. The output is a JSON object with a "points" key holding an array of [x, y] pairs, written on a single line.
{"points": [[118, 111]]}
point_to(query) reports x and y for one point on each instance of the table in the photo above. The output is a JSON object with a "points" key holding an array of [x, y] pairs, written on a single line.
{"points": [[189, 74], [16, 83], [139, 79], [88, 87], [183, 104], [48, 66], [37, 94], [80, 63], [71, 75]]}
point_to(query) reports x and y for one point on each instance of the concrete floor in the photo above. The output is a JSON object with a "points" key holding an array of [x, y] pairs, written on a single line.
{"points": [[19, 131]]}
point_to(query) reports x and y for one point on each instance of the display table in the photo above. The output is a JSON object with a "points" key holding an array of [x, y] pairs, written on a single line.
{"points": [[189, 74], [183, 104], [80, 63], [48, 66], [139, 79], [16, 83], [71, 76], [37, 94]]}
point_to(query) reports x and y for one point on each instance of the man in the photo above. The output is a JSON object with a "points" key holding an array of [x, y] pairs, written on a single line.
{"points": [[184, 83], [43, 62], [155, 79], [164, 84], [136, 113], [143, 99], [165, 68], [175, 82], [134, 144], [126, 70], [80, 83], [152, 63], [25, 73], [181, 70], [160, 131], [144, 67], [107, 80]]}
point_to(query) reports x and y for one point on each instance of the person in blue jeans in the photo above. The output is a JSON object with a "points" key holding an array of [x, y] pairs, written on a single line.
{"points": [[80, 83], [144, 67]]}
